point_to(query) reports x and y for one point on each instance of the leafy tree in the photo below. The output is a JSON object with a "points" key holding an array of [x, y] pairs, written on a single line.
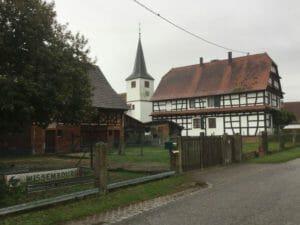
{"points": [[43, 67], [282, 118]]}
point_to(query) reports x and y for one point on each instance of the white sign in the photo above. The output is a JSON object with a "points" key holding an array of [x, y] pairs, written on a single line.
{"points": [[39, 177]]}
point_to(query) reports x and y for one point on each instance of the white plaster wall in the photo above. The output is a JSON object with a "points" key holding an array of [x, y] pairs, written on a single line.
{"points": [[219, 130], [145, 111], [137, 96], [136, 113], [195, 132], [141, 112], [139, 92], [132, 93], [168, 106], [143, 89]]}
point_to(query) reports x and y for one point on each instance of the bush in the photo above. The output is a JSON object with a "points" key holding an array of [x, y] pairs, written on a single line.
{"points": [[9, 195]]}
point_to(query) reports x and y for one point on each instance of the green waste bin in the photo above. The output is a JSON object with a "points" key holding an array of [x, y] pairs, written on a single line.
{"points": [[170, 146]]}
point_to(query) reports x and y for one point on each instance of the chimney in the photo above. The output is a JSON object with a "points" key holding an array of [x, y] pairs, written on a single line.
{"points": [[229, 58], [201, 61]]}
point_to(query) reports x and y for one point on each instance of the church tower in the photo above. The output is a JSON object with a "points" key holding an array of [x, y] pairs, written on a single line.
{"points": [[140, 87]]}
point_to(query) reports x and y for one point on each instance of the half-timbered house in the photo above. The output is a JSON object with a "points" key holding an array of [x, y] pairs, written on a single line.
{"points": [[236, 95]]}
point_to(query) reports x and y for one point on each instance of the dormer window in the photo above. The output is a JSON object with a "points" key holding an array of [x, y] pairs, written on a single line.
{"points": [[147, 84], [133, 84]]}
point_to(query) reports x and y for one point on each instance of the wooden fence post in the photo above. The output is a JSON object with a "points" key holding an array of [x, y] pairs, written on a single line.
{"points": [[101, 150], [179, 158], [226, 150], [201, 149], [142, 144], [281, 141], [237, 148], [264, 142]]}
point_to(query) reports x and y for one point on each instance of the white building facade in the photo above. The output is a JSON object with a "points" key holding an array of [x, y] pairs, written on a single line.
{"points": [[139, 89], [212, 98]]}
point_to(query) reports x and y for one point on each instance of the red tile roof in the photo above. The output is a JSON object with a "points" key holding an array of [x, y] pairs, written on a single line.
{"points": [[214, 110], [247, 73], [292, 107]]}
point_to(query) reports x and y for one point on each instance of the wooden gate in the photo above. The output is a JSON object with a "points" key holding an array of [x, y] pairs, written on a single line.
{"points": [[205, 151], [200, 152]]}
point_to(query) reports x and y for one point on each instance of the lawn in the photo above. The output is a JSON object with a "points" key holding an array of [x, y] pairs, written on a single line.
{"points": [[150, 154], [253, 146], [279, 157], [94, 204]]}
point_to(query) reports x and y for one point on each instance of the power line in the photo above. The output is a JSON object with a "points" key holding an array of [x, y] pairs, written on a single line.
{"points": [[186, 31]]}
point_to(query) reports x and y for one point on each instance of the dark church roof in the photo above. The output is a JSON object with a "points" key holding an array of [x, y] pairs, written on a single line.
{"points": [[139, 70], [104, 96], [247, 73]]}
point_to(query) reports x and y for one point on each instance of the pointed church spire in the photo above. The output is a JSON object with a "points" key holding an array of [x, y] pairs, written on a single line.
{"points": [[139, 70]]}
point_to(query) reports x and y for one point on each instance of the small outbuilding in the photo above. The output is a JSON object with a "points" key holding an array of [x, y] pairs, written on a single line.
{"points": [[295, 108]]}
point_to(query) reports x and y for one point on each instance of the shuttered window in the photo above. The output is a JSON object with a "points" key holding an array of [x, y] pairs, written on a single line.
{"points": [[147, 84], [211, 122], [196, 123], [133, 84]]}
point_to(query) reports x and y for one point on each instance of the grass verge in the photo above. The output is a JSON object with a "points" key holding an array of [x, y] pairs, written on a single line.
{"points": [[23, 197], [94, 204], [279, 157]]}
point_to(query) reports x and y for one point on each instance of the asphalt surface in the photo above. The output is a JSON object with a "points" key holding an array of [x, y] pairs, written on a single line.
{"points": [[245, 194]]}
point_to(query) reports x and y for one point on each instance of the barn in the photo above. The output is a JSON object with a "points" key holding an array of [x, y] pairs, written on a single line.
{"points": [[108, 126]]}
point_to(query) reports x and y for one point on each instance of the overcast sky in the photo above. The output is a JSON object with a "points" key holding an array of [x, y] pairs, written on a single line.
{"points": [[254, 26]]}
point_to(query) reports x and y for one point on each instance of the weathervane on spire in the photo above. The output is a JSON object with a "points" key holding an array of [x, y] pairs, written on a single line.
{"points": [[139, 30]]}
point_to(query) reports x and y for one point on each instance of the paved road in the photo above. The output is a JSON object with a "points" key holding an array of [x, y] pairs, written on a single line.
{"points": [[245, 194]]}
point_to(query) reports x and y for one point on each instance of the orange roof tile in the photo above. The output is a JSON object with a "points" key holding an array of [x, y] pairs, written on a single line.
{"points": [[247, 73]]}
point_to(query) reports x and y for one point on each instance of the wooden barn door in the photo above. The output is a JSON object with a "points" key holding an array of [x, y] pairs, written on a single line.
{"points": [[50, 141]]}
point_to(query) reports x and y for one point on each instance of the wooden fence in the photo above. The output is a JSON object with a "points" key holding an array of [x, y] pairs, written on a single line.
{"points": [[205, 151]]}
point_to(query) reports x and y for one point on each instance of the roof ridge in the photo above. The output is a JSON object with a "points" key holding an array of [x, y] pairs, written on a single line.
{"points": [[221, 60]]}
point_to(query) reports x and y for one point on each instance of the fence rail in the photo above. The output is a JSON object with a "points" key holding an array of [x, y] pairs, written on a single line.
{"points": [[76, 195], [37, 187]]}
